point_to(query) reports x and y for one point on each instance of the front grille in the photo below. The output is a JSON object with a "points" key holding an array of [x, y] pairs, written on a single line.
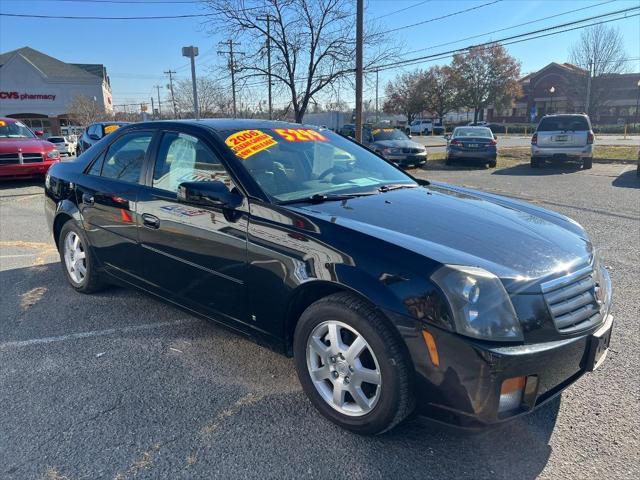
{"points": [[572, 301], [31, 157], [14, 158]]}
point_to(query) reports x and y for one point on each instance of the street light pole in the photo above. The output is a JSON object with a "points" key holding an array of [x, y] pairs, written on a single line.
{"points": [[638, 103], [359, 67], [192, 53]]}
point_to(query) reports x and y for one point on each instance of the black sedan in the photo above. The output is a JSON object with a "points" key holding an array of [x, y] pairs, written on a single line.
{"points": [[472, 144], [392, 294], [96, 132]]}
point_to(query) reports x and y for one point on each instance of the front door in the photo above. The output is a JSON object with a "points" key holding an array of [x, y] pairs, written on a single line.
{"points": [[195, 255], [107, 199]]}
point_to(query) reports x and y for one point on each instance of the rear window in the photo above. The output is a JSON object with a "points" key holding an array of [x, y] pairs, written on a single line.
{"points": [[568, 123], [481, 132]]}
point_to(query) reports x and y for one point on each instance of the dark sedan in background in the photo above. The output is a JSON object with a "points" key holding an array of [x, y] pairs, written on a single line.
{"points": [[396, 147], [96, 132], [472, 144], [391, 294]]}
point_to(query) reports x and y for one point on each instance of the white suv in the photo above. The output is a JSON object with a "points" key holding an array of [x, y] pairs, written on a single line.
{"points": [[563, 137], [419, 127]]}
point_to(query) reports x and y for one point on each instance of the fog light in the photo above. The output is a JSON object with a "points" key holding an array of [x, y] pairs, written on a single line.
{"points": [[511, 394]]}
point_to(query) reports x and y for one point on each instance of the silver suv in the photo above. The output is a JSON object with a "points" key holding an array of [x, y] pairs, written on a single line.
{"points": [[563, 137]]}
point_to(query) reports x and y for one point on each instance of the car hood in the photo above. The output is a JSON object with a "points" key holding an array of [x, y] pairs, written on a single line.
{"points": [[516, 241], [25, 145], [398, 144]]}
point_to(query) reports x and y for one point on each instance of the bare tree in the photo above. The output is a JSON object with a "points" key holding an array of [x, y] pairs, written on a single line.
{"points": [[486, 76], [213, 99], [599, 49], [440, 90], [406, 94], [86, 111], [312, 42]]}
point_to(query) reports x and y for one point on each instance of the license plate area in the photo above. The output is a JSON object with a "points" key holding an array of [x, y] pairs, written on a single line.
{"points": [[599, 345], [561, 138]]}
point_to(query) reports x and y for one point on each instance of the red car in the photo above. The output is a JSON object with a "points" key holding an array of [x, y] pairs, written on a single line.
{"points": [[22, 153]]}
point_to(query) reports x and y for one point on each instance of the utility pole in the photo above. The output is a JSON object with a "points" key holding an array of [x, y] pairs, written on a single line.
{"points": [[153, 109], [173, 98], [158, 87], [588, 99], [232, 68], [377, 114], [192, 53], [268, 46], [359, 72]]}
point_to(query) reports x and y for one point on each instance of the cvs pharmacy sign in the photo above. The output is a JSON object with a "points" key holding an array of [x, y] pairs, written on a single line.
{"points": [[25, 96]]}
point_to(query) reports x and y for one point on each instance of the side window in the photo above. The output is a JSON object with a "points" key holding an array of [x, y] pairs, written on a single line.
{"points": [[96, 166], [125, 157], [184, 158]]}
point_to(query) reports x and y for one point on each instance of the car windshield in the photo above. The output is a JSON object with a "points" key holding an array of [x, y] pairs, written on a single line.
{"points": [[564, 123], [14, 130], [299, 163], [481, 132], [388, 134]]}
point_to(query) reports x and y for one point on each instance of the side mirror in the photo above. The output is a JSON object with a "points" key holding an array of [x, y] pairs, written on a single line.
{"points": [[212, 194], [39, 133]]}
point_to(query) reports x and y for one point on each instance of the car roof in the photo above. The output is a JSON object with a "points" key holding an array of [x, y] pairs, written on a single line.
{"points": [[115, 122], [231, 123]]}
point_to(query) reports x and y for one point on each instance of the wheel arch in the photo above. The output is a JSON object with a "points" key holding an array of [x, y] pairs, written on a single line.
{"points": [[66, 211]]}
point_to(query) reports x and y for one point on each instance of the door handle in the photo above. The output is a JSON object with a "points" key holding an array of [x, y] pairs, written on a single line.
{"points": [[88, 199], [150, 221]]}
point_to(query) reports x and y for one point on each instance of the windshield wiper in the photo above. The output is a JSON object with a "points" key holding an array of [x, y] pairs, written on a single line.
{"points": [[397, 186], [320, 198]]}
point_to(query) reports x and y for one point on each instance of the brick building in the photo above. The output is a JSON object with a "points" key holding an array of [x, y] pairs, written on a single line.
{"points": [[561, 88]]}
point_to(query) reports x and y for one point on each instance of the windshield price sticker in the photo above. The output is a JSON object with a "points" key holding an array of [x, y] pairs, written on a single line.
{"points": [[300, 135], [249, 142]]}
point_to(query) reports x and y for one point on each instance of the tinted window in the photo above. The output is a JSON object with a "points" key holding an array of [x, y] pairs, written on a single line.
{"points": [[482, 132], [125, 157], [564, 123], [184, 158], [295, 163]]}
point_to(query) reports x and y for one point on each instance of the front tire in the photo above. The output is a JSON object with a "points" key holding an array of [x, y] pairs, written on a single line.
{"points": [[352, 366], [78, 262]]}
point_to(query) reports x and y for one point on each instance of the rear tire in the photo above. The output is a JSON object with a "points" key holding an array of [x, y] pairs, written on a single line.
{"points": [[587, 163], [493, 164], [78, 261], [376, 405]]}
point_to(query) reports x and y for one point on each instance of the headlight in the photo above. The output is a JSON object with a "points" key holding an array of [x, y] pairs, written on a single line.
{"points": [[391, 151], [53, 154], [480, 305], [603, 285]]}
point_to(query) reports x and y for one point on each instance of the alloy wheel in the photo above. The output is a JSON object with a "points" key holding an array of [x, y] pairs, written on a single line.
{"points": [[75, 257], [343, 368]]}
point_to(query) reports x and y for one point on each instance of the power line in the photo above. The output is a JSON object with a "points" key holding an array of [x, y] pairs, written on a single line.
{"points": [[442, 17], [401, 10], [514, 38], [71, 17]]}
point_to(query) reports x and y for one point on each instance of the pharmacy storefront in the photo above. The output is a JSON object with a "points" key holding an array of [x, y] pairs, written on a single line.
{"points": [[39, 90]]}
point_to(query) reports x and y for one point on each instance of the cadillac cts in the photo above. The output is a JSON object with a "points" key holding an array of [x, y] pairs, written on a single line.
{"points": [[392, 294]]}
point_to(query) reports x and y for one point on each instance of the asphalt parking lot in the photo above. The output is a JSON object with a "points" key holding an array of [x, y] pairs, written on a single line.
{"points": [[118, 385]]}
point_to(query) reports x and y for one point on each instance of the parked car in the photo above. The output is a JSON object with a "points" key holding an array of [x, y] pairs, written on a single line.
{"points": [[349, 130], [63, 145], [472, 144], [95, 132], [396, 147], [391, 293], [22, 153], [419, 126], [563, 137]]}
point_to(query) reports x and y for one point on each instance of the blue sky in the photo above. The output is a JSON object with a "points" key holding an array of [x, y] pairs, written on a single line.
{"points": [[137, 52]]}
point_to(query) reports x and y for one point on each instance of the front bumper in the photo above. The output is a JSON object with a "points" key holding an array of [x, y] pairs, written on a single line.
{"points": [[464, 389], [407, 159], [26, 170], [489, 154], [562, 152]]}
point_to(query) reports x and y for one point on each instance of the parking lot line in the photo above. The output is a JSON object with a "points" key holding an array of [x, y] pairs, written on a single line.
{"points": [[93, 333]]}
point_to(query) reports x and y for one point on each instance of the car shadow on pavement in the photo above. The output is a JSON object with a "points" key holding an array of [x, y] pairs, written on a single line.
{"points": [[21, 183], [628, 179], [187, 400], [524, 169]]}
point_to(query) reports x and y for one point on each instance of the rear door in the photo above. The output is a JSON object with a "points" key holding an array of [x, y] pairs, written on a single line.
{"points": [[108, 197], [197, 256]]}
